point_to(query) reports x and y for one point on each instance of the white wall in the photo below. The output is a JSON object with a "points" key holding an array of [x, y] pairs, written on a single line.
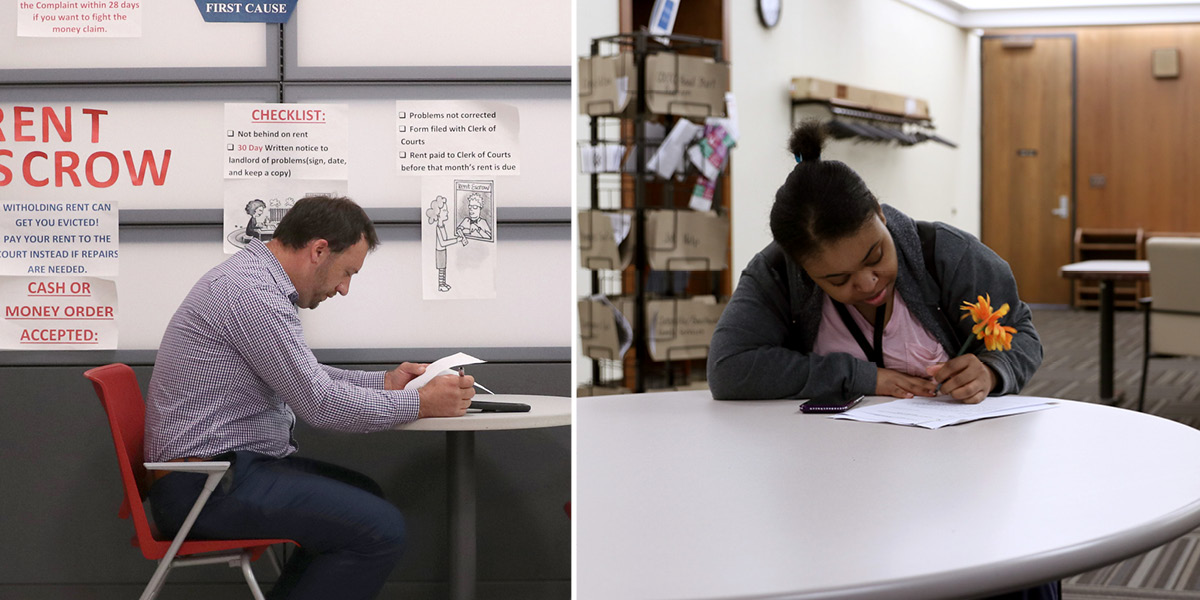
{"points": [[879, 44], [497, 33]]}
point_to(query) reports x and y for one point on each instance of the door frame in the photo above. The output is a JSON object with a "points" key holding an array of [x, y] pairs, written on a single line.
{"points": [[1073, 202]]}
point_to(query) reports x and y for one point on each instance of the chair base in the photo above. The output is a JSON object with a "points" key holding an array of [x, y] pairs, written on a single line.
{"points": [[233, 559]]}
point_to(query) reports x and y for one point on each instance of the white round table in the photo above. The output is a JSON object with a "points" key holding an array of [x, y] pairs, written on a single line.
{"points": [[680, 496], [544, 411]]}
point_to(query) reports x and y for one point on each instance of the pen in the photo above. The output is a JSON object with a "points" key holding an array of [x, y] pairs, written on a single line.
{"points": [[461, 372]]}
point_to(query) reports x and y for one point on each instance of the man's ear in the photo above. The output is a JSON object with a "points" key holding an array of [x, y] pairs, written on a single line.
{"points": [[318, 250]]}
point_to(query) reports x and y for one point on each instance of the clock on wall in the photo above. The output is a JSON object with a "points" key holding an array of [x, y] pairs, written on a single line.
{"points": [[768, 12]]}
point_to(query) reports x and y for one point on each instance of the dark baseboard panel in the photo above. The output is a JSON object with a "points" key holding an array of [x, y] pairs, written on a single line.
{"points": [[486, 590], [372, 356]]}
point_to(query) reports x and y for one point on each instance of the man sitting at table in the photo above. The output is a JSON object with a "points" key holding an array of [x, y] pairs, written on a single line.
{"points": [[232, 373]]}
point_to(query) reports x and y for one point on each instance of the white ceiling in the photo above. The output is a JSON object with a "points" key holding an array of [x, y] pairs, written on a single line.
{"points": [[1047, 13]]}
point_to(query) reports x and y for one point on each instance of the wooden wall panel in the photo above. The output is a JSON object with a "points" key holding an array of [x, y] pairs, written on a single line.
{"points": [[1138, 132], [1147, 148]]}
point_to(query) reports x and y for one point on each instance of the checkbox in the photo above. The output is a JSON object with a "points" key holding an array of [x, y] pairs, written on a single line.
{"points": [[403, 155], [401, 115], [229, 133], [229, 147], [402, 129]]}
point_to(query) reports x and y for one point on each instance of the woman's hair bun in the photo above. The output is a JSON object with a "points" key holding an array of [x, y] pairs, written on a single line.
{"points": [[807, 140]]}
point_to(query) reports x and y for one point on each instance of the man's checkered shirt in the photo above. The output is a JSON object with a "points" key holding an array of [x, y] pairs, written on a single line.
{"points": [[233, 371]]}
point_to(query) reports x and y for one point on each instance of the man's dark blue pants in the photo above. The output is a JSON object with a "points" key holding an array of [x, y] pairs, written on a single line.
{"points": [[350, 537]]}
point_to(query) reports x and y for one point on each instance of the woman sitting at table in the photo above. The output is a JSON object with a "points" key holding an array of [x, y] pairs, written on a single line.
{"points": [[845, 276], [844, 270]]}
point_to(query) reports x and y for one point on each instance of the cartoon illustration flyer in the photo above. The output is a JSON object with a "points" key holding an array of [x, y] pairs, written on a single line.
{"points": [[458, 239], [58, 313], [458, 148], [276, 154]]}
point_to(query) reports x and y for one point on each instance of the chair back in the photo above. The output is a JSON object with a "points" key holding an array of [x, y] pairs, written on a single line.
{"points": [[1175, 287], [121, 397]]}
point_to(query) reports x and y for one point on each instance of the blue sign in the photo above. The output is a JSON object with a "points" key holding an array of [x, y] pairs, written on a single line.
{"points": [[246, 11], [668, 11]]}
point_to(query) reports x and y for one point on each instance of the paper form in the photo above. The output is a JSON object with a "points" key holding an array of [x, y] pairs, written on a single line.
{"points": [[940, 411], [442, 367]]}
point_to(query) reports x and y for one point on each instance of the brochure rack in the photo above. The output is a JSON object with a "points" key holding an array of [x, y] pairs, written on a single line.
{"points": [[653, 300]]}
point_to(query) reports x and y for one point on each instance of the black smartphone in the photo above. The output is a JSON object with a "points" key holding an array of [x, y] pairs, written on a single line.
{"points": [[830, 406], [489, 406]]}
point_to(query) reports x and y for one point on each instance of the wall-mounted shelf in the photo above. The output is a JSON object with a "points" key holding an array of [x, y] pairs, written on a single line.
{"points": [[869, 126], [863, 114]]}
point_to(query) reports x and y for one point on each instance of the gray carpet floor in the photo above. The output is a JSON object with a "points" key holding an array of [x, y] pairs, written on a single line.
{"points": [[1070, 370]]}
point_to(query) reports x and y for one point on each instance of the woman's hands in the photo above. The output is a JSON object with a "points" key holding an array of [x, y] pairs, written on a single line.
{"points": [[898, 385], [964, 378]]}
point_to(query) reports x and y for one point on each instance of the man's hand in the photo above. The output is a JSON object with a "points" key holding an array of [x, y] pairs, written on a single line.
{"points": [[399, 377], [446, 396], [898, 385], [964, 378]]}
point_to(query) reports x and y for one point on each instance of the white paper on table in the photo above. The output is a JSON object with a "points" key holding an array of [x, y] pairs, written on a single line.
{"points": [[940, 411], [442, 367]]}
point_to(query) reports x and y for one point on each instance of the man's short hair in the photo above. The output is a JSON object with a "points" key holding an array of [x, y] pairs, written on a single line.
{"points": [[334, 219]]}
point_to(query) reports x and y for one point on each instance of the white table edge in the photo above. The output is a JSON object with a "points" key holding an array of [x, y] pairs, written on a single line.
{"points": [[478, 421], [1130, 266], [1021, 573]]}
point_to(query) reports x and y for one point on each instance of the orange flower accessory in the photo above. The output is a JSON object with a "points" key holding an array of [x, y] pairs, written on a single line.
{"points": [[987, 324]]}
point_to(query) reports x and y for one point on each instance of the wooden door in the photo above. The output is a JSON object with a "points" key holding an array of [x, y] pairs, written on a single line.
{"points": [[1027, 133]]}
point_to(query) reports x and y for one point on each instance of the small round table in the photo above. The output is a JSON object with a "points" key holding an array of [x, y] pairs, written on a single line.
{"points": [[1109, 272], [545, 411]]}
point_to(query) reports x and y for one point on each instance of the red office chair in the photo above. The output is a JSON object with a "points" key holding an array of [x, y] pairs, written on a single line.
{"points": [[122, 399]]}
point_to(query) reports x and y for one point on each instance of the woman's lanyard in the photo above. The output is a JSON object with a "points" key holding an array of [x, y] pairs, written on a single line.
{"points": [[874, 354]]}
